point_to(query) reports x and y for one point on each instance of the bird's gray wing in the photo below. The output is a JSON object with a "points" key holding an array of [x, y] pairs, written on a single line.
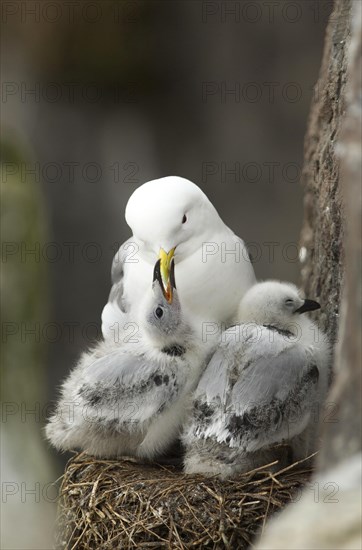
{"points": [[256, 402], [123, 255], [271, 401], [116, 309], [131, 390], [212, 395], [209, 401]]}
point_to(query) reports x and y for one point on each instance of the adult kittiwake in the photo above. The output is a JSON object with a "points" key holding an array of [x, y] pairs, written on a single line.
{"points": [[262, 393], [172, 217], [131, 399]]}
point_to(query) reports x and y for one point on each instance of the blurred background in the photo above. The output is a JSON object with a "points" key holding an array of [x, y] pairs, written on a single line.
{"points": [[97, 98]]}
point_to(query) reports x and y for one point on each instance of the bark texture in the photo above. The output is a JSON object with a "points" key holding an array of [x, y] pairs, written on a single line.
{"points": [[328, 514], [331, 230], [343, 438], [322, 232]]}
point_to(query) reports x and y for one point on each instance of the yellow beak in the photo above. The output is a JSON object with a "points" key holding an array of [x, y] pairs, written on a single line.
{"points": [[165, 263]]}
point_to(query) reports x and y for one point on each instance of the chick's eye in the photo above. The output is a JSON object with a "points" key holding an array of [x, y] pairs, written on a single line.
{"points": [[289, 302], [159, 312], [184, 219]]}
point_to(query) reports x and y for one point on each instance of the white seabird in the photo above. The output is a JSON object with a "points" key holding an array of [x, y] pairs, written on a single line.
{"points": [[264, 387], [131, 399], [172, 217]]}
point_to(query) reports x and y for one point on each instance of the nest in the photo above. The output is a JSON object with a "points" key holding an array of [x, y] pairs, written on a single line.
{"points": [[124, 504]]}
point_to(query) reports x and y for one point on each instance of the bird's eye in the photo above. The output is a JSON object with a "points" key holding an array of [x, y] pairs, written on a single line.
{"points": [[289, 302], [184, 219], [159, 312]]}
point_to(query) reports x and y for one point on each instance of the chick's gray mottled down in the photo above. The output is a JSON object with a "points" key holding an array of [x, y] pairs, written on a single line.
{"points": [[262, 393], [131, 398]]}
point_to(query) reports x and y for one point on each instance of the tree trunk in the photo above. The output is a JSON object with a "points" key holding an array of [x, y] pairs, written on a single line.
{"points": [[343, 438], [328, 514], [322, 232]]}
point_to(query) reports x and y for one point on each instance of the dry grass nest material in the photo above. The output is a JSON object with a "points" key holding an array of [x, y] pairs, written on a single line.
{"points": [[107, 504]]}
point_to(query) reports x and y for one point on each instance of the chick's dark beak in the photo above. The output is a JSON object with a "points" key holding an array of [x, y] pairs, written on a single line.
{"points": [[309, 305], [167, 290], [172, 275]]}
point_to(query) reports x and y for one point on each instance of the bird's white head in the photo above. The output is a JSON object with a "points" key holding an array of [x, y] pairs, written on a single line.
{"points": [[274, 303], [172, 215]]}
